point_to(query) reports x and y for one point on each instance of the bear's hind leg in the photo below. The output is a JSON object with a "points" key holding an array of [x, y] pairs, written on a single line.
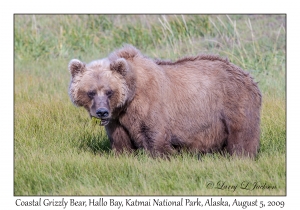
{"points": [[242, 143]]}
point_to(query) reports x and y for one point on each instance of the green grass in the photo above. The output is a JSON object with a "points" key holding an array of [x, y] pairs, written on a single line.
{"points": [[59, 151]]}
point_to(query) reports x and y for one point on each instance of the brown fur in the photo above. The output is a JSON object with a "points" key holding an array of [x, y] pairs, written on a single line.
{"points": [[202, 103]]}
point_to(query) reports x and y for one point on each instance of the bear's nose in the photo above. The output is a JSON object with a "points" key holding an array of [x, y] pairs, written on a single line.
{"points": [[102, 112]]}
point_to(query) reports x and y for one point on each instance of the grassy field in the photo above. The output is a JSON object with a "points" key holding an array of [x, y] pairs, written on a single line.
{"points": [[59, 151]]}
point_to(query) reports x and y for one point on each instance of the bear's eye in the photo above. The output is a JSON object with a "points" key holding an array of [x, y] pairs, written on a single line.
{"points": [[109, 93], [91, 94]]}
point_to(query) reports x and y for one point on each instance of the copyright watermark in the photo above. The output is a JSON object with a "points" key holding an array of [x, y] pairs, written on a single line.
{"points": [[245, 185]]}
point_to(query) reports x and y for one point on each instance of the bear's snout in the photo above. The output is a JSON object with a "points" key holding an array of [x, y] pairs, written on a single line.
{"points": [[102, 112]]}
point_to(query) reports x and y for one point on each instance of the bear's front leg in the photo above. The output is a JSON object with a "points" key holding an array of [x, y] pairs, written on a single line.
{"points": [[155, 140], [119, 139], [161, 146]]}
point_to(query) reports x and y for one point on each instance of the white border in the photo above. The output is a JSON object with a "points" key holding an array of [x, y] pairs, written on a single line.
{"points": [[154, 6]]}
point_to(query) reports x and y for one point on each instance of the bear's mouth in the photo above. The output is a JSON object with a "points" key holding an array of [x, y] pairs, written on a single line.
{"points": [[104, 122]]}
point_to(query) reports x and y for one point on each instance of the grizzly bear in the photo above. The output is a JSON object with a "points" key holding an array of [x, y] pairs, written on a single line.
{"points": [[200, 104]]}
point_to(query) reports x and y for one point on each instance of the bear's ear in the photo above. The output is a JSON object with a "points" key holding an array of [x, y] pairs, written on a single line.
{"points": [[76, 66], [120, 65]]}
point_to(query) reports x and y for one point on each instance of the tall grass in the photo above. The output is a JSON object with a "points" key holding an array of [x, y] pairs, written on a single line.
{"points": [[59, 151]]}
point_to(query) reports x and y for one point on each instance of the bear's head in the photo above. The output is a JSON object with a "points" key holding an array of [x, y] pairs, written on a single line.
{"points": [[102, 87]]}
